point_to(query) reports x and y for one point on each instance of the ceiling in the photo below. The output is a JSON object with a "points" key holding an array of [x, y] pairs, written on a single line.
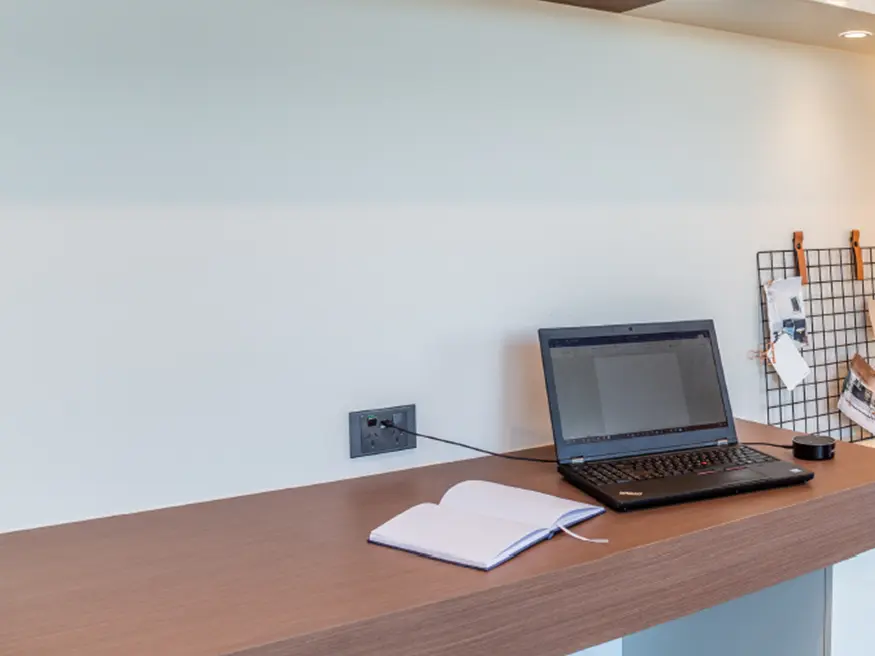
{"points": [[810, 22], [858, 5]]}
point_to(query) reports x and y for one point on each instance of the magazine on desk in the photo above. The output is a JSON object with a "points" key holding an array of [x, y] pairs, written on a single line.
{"points": [[482, 525]]}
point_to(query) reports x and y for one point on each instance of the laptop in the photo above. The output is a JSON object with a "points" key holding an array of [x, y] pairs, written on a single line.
{"points": [[641, 416]]}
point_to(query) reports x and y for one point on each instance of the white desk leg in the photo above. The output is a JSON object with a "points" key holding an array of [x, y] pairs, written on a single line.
{"points": [[853, 590], [614, 648]]}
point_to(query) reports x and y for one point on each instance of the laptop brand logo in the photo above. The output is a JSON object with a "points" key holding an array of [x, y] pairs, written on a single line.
{"points": [[631, 494]]}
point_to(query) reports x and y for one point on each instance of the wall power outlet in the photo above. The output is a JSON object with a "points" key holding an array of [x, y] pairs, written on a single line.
{"points": [[368, 436]]}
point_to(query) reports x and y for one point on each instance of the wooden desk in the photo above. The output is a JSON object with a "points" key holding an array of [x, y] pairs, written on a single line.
{"points": [[290, 572]]}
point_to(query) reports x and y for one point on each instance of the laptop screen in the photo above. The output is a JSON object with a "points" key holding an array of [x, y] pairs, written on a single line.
{"points": [[618, 387]]}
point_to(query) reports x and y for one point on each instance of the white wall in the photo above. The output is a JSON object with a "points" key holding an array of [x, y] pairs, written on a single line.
{"points": [[223, 225]]}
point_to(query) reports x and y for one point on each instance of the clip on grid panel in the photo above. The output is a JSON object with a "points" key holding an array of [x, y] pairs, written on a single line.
{"points": [[836, 304]]}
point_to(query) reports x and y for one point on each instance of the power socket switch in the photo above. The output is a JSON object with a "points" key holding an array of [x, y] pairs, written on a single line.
{"points": [[368, 436]]}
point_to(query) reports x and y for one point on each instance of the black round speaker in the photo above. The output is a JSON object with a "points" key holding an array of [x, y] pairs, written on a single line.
{"points": [[814, 447]]}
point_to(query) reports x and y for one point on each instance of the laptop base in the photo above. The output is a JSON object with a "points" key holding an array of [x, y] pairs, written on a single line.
{"points": [[636, 495]]}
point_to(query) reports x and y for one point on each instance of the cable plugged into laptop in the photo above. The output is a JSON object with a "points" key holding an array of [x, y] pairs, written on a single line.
{"points": [[805, 447], [387, 423]]}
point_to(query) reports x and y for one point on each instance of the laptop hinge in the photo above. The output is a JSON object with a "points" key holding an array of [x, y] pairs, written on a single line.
{"points": [[580, 460]]}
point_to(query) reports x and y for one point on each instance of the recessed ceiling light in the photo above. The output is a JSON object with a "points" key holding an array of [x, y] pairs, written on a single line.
{"points": [[855, 34]]}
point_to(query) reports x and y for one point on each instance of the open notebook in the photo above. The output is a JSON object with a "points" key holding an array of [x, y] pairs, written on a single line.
{"points": [[480, 524]]}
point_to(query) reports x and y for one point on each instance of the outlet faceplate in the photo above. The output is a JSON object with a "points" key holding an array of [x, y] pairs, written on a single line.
{"points": [[367, 437]]}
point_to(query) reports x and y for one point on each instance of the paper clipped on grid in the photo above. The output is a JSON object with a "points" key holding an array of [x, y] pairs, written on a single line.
{"points": [[785, 307], [788, 362]]}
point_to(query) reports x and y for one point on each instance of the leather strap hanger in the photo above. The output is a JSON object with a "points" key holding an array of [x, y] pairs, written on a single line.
{"points": [[799, 249], [858, 253]]}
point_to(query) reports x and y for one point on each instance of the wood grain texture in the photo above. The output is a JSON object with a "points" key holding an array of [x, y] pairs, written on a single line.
{"points": [[290, 572], [616, 6]]}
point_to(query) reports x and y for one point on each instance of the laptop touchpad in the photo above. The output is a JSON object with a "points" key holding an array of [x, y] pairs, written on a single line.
{"points": [[739, 476]]}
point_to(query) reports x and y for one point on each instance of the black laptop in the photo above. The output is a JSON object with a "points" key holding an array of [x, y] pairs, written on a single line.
{"points": [[641, 416]]}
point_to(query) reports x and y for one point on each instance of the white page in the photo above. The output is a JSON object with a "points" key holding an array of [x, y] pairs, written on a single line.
{"points": [[452, 534], [788, 362], [785, 302], [494, 500]]}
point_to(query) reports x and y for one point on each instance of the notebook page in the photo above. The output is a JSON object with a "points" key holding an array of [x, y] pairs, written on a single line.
{"points": [[525, 506], [452, 534]]}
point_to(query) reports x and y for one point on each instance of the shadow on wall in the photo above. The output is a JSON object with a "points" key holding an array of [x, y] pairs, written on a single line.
{"points": [[524, 410]]}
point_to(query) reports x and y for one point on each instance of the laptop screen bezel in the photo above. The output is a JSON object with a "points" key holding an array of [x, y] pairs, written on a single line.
{"points": [[633, 446]]}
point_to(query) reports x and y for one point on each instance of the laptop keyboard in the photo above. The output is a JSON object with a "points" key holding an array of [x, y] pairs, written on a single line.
{"points": [[666, 465]]}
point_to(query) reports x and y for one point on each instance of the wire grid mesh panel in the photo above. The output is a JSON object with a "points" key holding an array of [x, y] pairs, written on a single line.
{"points": [[836, 304]]}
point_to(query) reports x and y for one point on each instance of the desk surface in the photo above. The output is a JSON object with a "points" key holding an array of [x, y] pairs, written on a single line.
{"points": [[290, 572]]}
